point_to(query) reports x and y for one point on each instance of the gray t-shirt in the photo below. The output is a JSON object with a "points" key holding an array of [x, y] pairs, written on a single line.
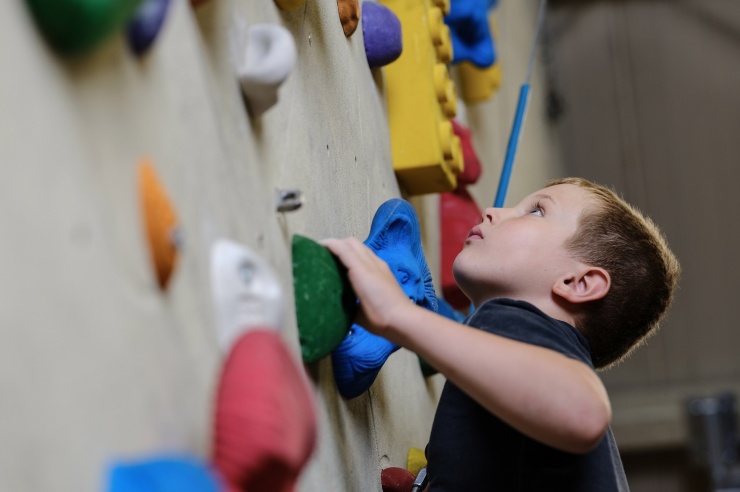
{"points": [[470, 449]]}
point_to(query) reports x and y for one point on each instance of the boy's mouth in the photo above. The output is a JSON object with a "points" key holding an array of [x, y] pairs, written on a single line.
{"points": [[475, 233]]}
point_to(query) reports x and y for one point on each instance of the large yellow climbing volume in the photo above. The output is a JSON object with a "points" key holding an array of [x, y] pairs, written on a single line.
{"points": [[421, 100]]}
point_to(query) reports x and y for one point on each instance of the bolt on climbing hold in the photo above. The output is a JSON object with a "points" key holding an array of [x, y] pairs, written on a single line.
{"points": [[265, 424], [146, 24], [395, 237], [288, 200], [381, 31], [75, 27], [325, 302], [245, 291], [160, 223], [349, 15], [268, 57]]}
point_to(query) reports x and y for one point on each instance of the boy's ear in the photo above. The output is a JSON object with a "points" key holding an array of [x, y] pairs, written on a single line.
{"points": [[589, 284]]}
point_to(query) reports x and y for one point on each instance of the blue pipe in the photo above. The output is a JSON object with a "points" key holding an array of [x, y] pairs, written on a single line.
{"points": [[516, 132]]}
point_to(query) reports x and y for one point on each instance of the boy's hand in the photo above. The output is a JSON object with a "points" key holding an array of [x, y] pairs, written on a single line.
{"points": [[381, 298]]}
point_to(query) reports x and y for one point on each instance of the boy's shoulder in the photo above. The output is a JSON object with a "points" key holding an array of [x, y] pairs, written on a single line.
{"points": [[524, 322]]}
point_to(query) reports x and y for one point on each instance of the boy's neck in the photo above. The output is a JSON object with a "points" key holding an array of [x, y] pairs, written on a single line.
{"points": [[561, 311]]}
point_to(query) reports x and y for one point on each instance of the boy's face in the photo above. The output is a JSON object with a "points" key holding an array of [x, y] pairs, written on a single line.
{"points": [[519, 252]]}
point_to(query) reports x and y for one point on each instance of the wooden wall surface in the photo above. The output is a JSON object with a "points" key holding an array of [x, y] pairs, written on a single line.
{"points": [[96, 364]]}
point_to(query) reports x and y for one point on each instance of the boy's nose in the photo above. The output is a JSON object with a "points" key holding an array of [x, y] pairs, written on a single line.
{"points": [[493, 215]]}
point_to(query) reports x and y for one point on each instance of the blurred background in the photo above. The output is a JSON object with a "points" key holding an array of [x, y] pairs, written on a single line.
{"points": [[644, 95]]}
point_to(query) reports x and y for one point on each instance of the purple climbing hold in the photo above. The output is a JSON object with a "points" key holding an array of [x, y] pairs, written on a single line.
{"points": [[382, 32], [145, 24]]}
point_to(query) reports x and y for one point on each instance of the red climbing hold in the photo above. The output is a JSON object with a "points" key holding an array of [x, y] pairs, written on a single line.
{"points": [[397, 480], [265, 418]]}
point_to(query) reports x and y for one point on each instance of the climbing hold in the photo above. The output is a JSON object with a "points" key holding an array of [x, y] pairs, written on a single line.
{"points": [[471, 35], [471, 167], [444, 89], [395, 237], [269, 57], [445, 309], [265, 416], [440, 34], [358, 360], [163, 474], [160, 223], [478, 84], [289, 4], [416, 460], [458, 213], [424, 149], [349, 15], [245, 290], [325, 303], [381, 31], [288, 200], [395, 479], [146, 23], [74, 27]]}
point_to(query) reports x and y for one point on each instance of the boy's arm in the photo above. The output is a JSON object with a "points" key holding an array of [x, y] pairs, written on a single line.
{"points": [[545, 395]]}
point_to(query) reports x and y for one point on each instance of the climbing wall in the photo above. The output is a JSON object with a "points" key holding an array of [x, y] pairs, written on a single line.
{"points": [[98, 364]]}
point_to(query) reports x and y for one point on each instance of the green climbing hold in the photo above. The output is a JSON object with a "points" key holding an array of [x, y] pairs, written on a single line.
{"points": [[74, 27], [325, 303]]}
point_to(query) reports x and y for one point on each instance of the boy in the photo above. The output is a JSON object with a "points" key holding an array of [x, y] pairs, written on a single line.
{"points": [[570, 279]]}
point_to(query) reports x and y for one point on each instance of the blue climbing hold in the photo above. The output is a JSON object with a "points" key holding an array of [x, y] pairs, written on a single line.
{"points": [[145, 24], [443, 309], [164, 474], [381, 31], [395, 236], [471, 35]]}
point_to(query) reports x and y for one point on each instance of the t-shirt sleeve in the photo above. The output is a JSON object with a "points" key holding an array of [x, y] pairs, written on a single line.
{"points": [[523, 322]]}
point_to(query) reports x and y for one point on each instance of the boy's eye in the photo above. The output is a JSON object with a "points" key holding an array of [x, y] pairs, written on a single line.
{"points": [[537, 210]]}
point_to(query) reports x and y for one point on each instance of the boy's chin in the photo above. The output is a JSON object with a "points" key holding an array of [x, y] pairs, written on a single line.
{"points": [[461, 279], [462, 267]]}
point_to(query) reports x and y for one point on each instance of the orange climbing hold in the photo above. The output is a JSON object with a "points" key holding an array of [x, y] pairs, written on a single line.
{"points": [[160, 222], [349, 15]]}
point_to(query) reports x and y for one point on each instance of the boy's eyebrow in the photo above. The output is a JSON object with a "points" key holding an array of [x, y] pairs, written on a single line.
{"points": [[546, 197]]}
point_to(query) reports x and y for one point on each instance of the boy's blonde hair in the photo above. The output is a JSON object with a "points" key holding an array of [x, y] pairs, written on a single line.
{"points": [[644, 273]]}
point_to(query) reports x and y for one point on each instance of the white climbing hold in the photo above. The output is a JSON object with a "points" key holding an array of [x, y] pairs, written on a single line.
{"points": [[268, 58], [246, 292]]}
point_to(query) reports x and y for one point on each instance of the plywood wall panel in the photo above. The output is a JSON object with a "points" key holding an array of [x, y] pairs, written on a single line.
{"points": [[96, 363]]}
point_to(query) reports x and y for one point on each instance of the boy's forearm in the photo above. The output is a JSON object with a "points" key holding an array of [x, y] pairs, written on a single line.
{"points": [[545, 395]]}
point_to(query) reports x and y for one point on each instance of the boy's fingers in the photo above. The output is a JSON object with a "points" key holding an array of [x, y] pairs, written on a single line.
{"points": [[336, 246], [351, 251]]}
